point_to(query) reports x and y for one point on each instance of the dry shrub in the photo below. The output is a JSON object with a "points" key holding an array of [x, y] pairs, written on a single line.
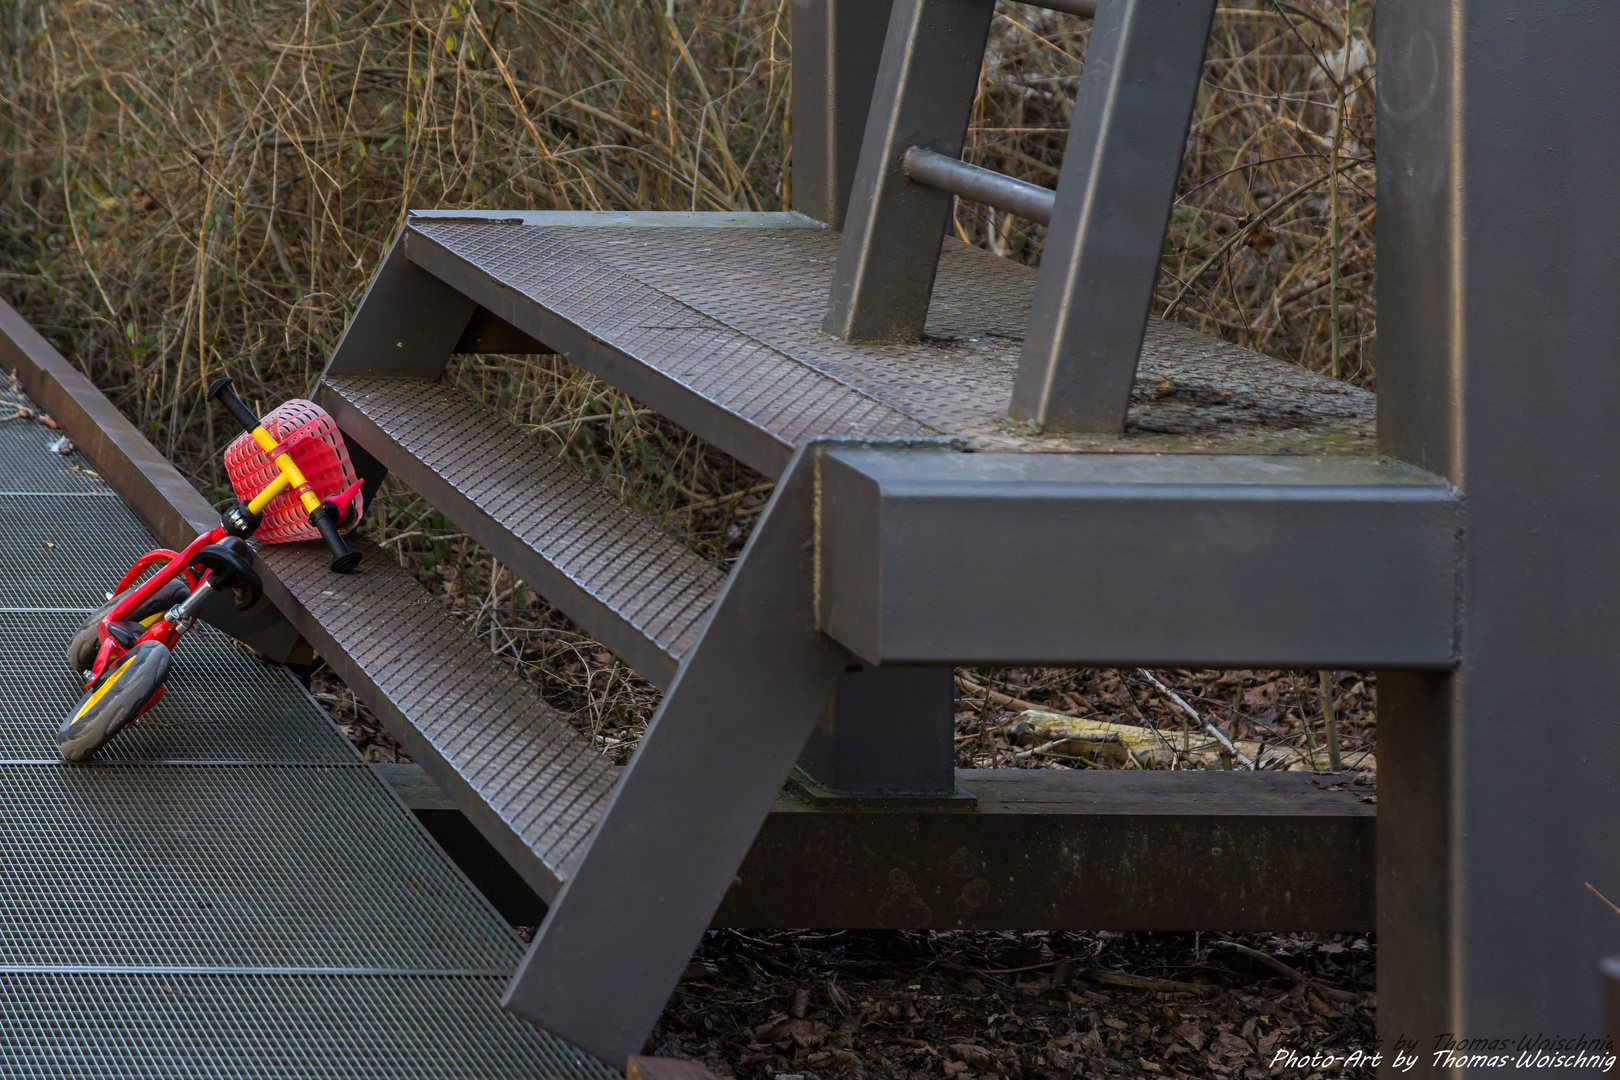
{"points": [[196, 189], [1250, 255], [191, 189]]}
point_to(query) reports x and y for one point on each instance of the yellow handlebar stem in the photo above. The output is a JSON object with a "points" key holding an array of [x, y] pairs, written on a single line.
{"points": [[271, 490], [290, 477]]}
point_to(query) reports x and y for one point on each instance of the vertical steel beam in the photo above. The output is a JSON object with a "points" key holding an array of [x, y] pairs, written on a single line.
{"points": [[407, 324], [837, 46], [1143, 66], [886, 731], [924, 96], [1499, 366]]}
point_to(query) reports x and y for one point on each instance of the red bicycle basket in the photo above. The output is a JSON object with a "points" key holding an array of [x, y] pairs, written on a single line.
{"points": [[308, 433]]}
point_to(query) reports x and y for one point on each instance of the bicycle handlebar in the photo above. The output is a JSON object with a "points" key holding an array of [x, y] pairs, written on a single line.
{"points": [[223, 392], [242, 521]]}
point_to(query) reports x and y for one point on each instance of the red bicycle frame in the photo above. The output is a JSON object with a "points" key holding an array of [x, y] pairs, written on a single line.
{"points": [[176, 565]]}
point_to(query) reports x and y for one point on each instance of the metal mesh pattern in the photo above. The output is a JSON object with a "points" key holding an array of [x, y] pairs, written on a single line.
{"points": [[59, 1026], [61, 551], [756, 383], [27, 463], [542, 777], [222, 920], [759, 295], [959, 379], [220, 703], [310, 437], [230, 865], [605, 548]]}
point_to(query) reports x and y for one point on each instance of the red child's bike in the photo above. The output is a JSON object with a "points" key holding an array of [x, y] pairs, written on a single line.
{"points": [[293, 481]]}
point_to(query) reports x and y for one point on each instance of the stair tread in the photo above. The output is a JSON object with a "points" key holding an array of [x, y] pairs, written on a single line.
{"points": [[621, 576], [733, 315], [542, 777]]}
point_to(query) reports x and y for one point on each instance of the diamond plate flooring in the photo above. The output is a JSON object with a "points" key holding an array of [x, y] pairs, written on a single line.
{"points": [[229, 890]]}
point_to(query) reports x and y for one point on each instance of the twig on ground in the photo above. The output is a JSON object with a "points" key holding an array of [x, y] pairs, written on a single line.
{"points": [[968, 686], [1068, 737], [1141, 982], [1266, 960], [1603, 898], [1175, 698]]}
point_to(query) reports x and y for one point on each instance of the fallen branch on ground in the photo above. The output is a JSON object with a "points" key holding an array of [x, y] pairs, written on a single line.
{"points": [[1175, 698], [968, 686], [1266, 960]]}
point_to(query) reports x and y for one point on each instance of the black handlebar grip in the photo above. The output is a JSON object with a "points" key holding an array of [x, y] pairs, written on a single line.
{"points": [[344, 561], [222, 392]]}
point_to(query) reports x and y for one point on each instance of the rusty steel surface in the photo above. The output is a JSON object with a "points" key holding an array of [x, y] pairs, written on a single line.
{"points": [[531, 783], [634, 587], [1082, 850], [1075, 850], [719, 328]]}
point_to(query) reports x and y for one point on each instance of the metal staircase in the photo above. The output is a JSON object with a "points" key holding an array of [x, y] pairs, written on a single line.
{"points": [[914, 522], [631, 585]]}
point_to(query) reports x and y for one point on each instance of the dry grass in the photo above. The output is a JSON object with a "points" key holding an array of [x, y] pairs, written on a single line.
{"points": [[194, 189], [1251, 253], [191, 189]]}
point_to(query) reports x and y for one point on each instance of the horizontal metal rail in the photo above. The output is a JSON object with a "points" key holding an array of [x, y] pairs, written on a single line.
{"points": [[1086, 9], [986, 186], [1030, 849], [1174, 560]]}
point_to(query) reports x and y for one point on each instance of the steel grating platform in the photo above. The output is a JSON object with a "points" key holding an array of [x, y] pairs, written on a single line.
{"points": [[229, 890], [264, 715], [254, 1026], [63, 552], [27, 463], [720, 329]]}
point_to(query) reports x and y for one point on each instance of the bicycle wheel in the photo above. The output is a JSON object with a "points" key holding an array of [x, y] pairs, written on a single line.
{"points": [[82, 649], [115, 702]]}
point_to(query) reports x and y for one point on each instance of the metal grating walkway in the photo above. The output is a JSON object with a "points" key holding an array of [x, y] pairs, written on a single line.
{"points": [[230, 890]]}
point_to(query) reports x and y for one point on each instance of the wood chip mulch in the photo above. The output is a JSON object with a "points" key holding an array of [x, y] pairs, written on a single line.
{"points": [[1049, 1005]]}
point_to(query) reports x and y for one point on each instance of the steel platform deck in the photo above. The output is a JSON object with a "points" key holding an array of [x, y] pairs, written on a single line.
{"points": [[715, 321], [230, 890]]}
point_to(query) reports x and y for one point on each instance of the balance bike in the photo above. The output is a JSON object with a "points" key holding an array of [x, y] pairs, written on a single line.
{"points": [[293, 481]]}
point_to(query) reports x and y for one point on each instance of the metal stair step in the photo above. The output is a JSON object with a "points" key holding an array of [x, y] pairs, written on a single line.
{"points": [[531, 783], [632, 586]]}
